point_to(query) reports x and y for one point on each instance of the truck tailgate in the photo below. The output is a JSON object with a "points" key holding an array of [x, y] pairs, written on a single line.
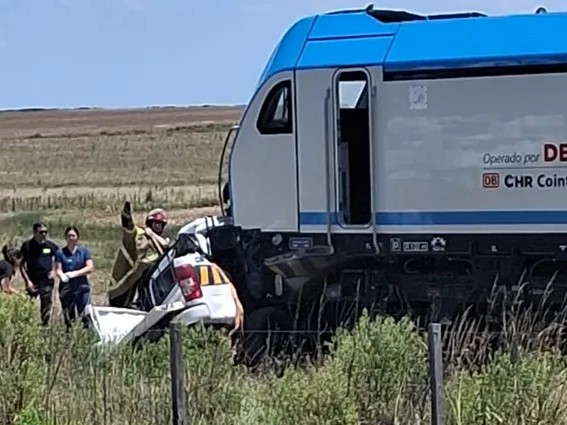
{"points": [[115, 324]]}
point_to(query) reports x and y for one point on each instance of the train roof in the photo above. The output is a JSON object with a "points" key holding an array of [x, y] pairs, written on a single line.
{"points": [[401, 41]]}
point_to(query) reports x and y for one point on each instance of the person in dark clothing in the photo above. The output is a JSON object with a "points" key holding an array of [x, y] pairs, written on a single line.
{"points": [[38, 269], [12, 258], [226, 199], [72, 265]]}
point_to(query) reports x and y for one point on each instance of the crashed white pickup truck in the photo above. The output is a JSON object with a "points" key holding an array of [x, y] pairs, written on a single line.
{"points": [[183, 286]]}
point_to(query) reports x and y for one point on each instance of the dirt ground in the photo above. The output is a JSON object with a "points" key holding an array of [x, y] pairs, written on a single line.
{"points": [[78, 152], [78, 166], [21, 124]]}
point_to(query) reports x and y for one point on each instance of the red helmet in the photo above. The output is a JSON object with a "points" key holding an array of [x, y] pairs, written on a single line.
{"points": [[158, 215]]}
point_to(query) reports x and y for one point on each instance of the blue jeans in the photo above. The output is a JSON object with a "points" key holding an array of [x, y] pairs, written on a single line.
{"points": [[73, 301]]}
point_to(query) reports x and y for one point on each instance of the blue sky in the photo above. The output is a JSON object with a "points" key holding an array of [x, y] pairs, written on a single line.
{"points": [[124, 53]]}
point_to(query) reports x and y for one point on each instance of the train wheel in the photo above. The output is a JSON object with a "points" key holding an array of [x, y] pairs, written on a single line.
{"points": [[262, 333]]}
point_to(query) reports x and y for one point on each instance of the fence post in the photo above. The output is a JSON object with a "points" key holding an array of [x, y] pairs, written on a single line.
{"points": [[177, 373], [436, 374]]}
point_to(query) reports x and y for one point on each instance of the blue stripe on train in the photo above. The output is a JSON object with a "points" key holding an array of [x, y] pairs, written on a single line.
{"points": [[443, 218]]}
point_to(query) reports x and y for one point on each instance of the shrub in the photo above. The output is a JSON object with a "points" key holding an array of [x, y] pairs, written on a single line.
{"points": [[375, 374], [530, 389], [384, 365]]}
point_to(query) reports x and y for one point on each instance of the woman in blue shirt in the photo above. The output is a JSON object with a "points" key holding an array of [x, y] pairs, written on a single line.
{"points": [[73, 263]]}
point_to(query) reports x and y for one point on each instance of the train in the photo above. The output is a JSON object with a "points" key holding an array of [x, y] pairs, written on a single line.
{"points": [[400, 164]]}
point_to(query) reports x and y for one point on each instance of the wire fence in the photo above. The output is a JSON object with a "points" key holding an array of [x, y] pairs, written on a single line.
{"points": [[430, 390], [190, 378]]}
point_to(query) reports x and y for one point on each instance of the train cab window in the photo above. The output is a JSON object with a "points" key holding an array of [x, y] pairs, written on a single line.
{"points": [[276, 115]]}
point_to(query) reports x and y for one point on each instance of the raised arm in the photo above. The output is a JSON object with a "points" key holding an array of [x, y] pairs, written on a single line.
{"points": [[163, 242]]}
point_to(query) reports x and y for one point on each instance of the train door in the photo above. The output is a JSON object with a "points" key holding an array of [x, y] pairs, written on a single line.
{"points": [[353, 143], [316, 154]]}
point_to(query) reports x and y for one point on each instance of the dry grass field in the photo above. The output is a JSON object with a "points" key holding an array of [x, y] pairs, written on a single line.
{"points": [[79, 166]]}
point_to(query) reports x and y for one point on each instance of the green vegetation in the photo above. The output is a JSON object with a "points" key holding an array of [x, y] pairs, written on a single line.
{"points": [[375, 374]]}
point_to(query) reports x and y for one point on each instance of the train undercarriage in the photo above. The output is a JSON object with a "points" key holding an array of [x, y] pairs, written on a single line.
{"points": [[295, 300]]}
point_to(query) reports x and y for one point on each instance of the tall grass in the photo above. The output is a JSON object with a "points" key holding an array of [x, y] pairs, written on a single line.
{"points": [[177, 168], [375, 374], [178, 158], [111, 200]]}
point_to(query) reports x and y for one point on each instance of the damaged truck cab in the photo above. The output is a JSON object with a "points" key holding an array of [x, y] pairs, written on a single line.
{"points": [[152, 286]]}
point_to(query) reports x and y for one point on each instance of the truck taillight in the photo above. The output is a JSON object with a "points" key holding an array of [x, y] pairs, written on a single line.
{"points": [[188, 282]]}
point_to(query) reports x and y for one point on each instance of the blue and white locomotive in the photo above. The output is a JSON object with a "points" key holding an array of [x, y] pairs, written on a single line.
{"points": [[401, 161]]}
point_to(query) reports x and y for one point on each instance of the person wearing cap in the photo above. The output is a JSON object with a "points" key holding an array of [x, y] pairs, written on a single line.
{"points": [[156, 220]]}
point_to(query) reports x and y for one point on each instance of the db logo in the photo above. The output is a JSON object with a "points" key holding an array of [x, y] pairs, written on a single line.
{"points": [[490, 180]]}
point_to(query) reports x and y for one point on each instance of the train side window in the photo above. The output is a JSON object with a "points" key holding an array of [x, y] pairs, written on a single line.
{"points": [[276, 115]]}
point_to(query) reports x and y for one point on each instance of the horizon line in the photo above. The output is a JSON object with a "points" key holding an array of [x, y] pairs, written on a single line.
{"points": [[114, 108]]}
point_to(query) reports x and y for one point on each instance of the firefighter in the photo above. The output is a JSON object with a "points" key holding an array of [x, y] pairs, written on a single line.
{"points": [[138, 253], [156, 221]]}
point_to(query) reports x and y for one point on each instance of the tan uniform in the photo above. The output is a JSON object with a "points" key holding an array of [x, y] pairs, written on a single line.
{"points": [[135, 256]]}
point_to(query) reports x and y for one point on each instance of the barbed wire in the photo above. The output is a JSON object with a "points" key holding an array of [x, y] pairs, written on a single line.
{"points": [[350, 332]]}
